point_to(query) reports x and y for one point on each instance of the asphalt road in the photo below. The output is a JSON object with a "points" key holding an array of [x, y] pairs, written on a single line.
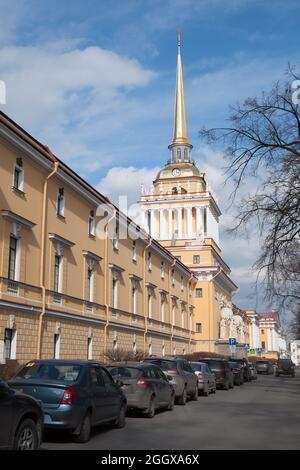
{"points": [[263, 414]]}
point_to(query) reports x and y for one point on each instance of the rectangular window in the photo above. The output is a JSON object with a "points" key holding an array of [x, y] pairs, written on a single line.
{"points": [[91, 224], [198, 327], [182, 318], [13, 246], [60, 208], [173, 277], [56, 351], [198, 292], [134, 250], [8, 337], [149, 303], [133, 298], [90, 349], [182, 284], [18, 176], [173, 314], [196, 259], [262, 332], [114, 299], [57, 273], [162, 270], [90, 279], [162, 310], [263, 345], [149, 261]]}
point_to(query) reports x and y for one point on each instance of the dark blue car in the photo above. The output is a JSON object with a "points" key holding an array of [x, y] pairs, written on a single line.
{"points": [[76, 395]]}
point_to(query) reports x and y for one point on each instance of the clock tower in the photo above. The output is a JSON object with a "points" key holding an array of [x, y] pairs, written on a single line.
{"points": [[181, 212]]}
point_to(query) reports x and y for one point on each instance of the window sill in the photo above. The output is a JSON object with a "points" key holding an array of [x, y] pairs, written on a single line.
{"points": [[18, 191]]}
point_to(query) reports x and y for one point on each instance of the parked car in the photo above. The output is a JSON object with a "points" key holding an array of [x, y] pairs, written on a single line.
{"points": [[238, 372], [263, 366], [146, 387], [222, 371], [206, 378], [244, 363], [253, 371], [21, 422], [76, 395], [183, 380], [284, 367]]}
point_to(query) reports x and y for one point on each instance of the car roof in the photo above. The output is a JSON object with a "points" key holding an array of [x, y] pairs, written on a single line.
{"points": [[163, 358], [65, 361], [136, 365]]}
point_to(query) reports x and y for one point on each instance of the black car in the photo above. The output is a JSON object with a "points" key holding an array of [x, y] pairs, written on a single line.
{"points": [[224, 375], [76, 395], [238, 372], [284, 367], [21, 420]]}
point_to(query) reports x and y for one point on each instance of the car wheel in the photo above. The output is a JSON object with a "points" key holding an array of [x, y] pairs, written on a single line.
{"points": [[171, 405], [206, 390], [194, 395], [183, 398], [226, 386], [150, 412], [121, 420], [26, 437], [214, 389], [85, 430]]}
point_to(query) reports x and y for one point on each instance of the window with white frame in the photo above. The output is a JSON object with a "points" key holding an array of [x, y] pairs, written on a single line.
{"points": [[150, 347], [196, 259], [90, 284], [183, 312], [149, 261], [191, 319], [134, 252], [162, 270], [181, 284], [163, 349], [60, 204], [56, 352], [10, 337], [12, 260], [150, 298], [134, 288], [173, 312], [162, 307], [91, 224], [198, 327], [115, 239], [114, 299], [198, 292], [90, 348], [57, 273], [173, 277], [18, 176]]}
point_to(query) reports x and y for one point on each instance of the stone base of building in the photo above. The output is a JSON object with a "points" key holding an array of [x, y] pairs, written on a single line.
{"points": [[223, 348]]}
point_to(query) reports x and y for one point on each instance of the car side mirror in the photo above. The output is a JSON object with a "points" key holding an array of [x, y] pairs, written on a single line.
{"points": [[120, 383]]}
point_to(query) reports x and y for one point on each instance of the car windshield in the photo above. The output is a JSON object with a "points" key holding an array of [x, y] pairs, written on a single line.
{"points": [[215, 364], [196, 366], [130, 372], [164, 365], [48, 371], [262, 362]]}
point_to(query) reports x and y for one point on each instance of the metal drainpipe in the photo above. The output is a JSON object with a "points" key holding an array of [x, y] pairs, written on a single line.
{"points": [[42, 265], [170, 304], [107, 278], [145, 298]]}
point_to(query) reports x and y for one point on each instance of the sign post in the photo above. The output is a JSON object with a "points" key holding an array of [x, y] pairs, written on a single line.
{"points": [[232, 345]]}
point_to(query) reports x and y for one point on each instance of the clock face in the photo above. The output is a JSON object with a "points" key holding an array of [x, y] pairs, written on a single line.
{"points": [[176, 172]]}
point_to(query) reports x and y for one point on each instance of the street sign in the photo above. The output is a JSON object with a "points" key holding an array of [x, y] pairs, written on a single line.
{"points": [[246, 346], [252, 351], [232, 341], [259, 350]]}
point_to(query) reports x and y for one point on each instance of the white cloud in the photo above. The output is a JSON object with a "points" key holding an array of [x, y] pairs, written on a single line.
{"points": [[121, 181]]}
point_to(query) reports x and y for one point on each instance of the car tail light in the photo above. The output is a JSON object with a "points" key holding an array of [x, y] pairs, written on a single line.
{"points": [[143, 383], [173, 372], [68, 397]]}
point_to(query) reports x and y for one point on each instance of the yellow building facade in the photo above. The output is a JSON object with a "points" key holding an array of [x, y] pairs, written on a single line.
{"points": [[71, 286], [180, 211]]}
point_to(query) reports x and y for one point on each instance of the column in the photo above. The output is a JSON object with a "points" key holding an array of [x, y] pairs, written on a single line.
{"points": [[162, 224], [179, 221], [153, 225], [189, 221], [198, 222], [170, 224], [269, 345]]}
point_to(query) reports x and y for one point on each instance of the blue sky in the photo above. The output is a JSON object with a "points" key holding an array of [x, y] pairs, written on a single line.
{"points": [[95, 81]]}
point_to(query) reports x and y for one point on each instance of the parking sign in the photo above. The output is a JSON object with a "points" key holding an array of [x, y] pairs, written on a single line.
{"points": [[232, 341]]}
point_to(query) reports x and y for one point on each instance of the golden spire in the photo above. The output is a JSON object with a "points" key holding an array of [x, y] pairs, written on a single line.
{"points": [[179, 136]]}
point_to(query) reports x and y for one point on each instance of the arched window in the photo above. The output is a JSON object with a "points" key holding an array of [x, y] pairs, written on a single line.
{"points": [[179, 154]]}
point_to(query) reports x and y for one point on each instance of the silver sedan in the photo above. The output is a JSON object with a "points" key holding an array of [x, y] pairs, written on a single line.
{"points": [[206, 378]]}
